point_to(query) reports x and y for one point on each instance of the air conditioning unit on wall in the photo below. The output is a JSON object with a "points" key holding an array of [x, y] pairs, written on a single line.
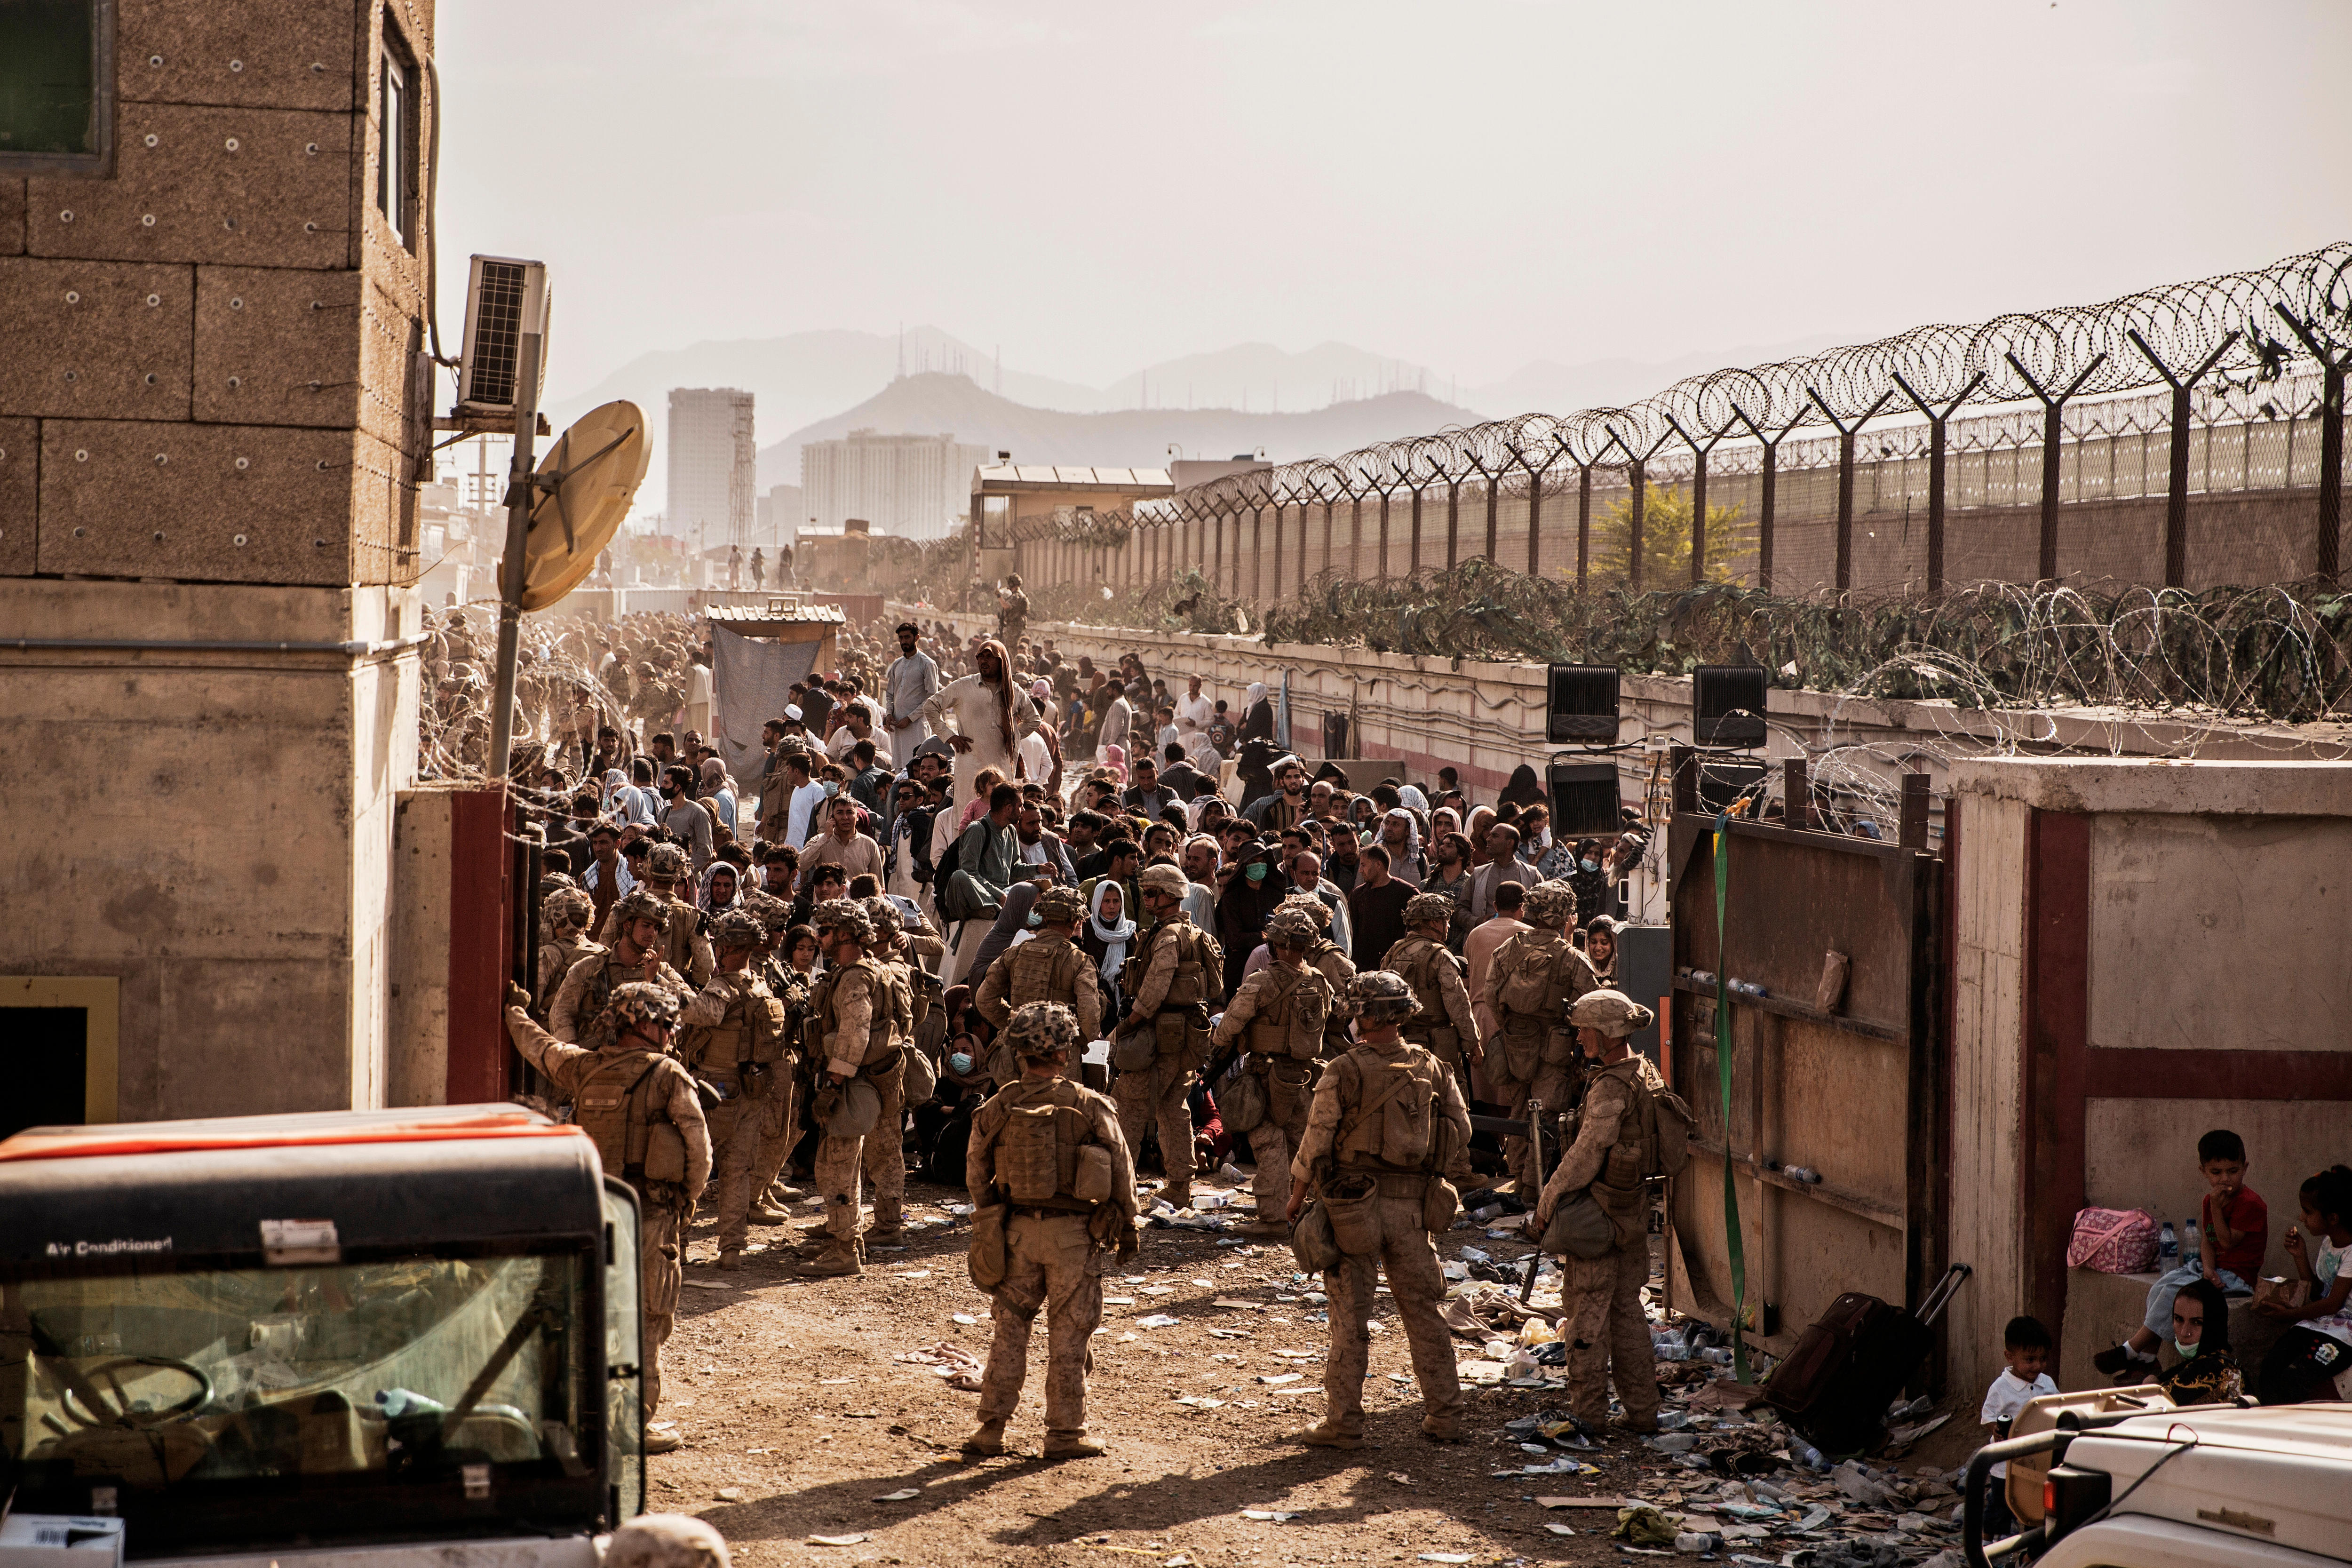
{"points": [[504, 298]]}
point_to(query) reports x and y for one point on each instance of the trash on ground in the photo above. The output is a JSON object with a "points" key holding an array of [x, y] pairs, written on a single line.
{"points": [[1644, 1526], [1156, 1321], [1268, 1515], [836, 1540], [966, 1319], [904, 1494], [729, 1494]]}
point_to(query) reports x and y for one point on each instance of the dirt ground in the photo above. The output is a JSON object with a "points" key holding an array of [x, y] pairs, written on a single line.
{"points": [[797, 1422]]}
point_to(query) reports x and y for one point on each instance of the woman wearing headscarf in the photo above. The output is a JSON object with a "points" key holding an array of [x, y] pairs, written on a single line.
{"points": [[1257, 719], [1114, 761], [1400, 835], [1523, 788], [1594, 894], [1601, 948], [1108, 936]]}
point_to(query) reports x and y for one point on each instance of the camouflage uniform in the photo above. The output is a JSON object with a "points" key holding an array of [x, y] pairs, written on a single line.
{"points": [[884, 1158], [1346, 1147], [1443, 1021], [1179, 966], [1323, 956], [733, 1041], [1055, 1248], [778, 1124], [1533, 1054], [689, 945], [1049, 967], [637, 1088], [593, 980], [1284, 1008], [565, 914], [1601, 1297], [850, 1031]]}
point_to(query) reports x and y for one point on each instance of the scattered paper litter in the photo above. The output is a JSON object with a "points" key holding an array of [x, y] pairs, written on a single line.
{"points": [[965, 1318], [1201, 1402], [1179, 1560], [729, 1494], [1445, 1557], [1281, 1378], [705, 1285], [959, 1366], [1559, 1530], [1118, 1300], [904, 1494], [835, 1380], [1234, 1302], [1157, 1320], [1268, 1515], [1162, 1289], [1583, 1502], [836, 1540], [917, 1274]]}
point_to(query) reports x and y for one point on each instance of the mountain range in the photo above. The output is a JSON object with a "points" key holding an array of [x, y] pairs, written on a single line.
{"points": [[1244, 398]]}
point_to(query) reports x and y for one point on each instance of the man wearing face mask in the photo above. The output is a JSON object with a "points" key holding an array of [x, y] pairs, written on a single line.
{"points": [[687, 822], [982, 717], [1253, 889]]}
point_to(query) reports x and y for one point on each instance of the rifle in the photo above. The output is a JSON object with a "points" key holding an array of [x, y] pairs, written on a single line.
{"points": [[1534, 1153]]}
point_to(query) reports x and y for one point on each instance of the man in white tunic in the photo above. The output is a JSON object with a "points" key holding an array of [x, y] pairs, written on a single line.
{"points": [[991, 716], [912, 680]]}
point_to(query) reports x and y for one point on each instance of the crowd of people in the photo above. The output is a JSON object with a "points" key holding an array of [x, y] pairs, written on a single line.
{"points": [[972, 873]]}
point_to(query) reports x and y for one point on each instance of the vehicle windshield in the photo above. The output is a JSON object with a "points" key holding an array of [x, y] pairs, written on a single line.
{"points": [[163, 1378]]}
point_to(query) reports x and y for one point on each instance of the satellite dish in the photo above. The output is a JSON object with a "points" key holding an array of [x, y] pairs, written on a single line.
{"points": [[586, 484]]}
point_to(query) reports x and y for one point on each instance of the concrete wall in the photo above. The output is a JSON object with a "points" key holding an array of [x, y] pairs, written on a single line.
{"points": [[212, 828], [213, 419], [2147, 951]]}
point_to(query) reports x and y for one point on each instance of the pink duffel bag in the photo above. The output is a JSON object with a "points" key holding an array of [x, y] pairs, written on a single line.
{"points": [[2113, 1241]]}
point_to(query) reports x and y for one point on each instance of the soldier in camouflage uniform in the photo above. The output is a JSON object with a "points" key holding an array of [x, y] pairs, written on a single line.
{"points": [[884, 1159], [848, 1037], [1323, 956], [1615, 1149], [1532, 982], [638, 921], [779, 1112], [1443, 1021], [1050, 1151], [1281, 1013], [687, 939], [566, 913], [1048, 967], [734, 1042], [639, 1106], [1166, 1035], [1384, 1118]]}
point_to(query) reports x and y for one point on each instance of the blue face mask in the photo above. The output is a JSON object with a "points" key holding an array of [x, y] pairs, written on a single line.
{"points": [[832, 788], [1256, 872], [1590, 865], [1035, 919], [960, 1065]]}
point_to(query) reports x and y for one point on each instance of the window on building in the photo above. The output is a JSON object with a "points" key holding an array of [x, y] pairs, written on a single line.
{"points": [[396, 161], [57, 86]]}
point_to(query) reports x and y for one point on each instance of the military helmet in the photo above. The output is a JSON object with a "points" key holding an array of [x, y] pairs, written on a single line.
{"points": [[1290, 927], [1163, 880], [1038, 1031], [736, 929], [841, 914], [666, 862], [1423, 908], [568, 906], [774, 913], [1061, 906], [640, 904], [667, 1540], [1313, 907], [1380, 996], [641, 1003], [1612, 1012], [1550, 904], [885, 918]]}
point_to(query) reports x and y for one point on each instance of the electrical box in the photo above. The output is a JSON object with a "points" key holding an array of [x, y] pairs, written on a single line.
{"points": [[504, 298], [1728, 705], [1581, 704], [1584, 800]]}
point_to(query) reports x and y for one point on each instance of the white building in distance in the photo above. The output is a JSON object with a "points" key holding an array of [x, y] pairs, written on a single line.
{"points": [[714, 466], [913, 486]]}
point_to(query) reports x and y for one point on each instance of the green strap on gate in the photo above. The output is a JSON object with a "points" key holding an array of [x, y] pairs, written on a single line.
{"points": [[1722, 1074]]}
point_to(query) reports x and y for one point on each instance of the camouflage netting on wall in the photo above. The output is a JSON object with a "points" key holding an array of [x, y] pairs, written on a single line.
{"points": [[2282, 652]]}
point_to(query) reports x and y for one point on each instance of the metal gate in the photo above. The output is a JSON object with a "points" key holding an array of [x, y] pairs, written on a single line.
{"points": [[1847, 1095]]}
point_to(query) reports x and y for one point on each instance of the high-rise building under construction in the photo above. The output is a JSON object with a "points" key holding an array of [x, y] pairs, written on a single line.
{"points": [[713, 465]]}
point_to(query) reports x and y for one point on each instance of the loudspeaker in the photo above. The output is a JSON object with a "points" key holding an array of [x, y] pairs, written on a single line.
{"points": [[1584, 799], [1717, 689], [1580, 703]]}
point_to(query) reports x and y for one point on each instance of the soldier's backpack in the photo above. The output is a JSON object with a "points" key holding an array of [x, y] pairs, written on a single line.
{"points": [[1669, 1126], [1043, 1157], [1528, 985]]}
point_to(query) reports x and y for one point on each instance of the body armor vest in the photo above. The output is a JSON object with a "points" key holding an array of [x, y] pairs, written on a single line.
{"points": [[1271, 1029], [1042, 971], [611, 1108]]}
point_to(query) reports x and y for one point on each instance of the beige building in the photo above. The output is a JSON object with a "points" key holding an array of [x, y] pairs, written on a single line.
{"points": [[913, 486], [714, 466], [215, 413]]}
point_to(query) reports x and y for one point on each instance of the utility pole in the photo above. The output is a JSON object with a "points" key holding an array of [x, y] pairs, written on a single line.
{"points": [[514, 567]]}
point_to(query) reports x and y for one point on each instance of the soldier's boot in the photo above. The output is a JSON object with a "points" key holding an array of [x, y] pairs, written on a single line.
{"points": [[730, 1257], [1642, 1425], [763, 1213], [662, 1441], [988, 1437], [1072, 1446], [832, 1263], [1443, 1428], [781, 1192], [1323, 1434], [1264, 1226], [1177, 1193], [884, 1235]]}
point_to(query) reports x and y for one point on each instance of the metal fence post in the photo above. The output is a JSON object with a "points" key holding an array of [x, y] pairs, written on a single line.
{"points": [[2053, 430], [2176, 498], [1845, 479], [1936, 458], [2330, 524]]}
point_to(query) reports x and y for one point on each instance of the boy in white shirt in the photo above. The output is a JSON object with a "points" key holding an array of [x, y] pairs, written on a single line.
{"points": [[2025, 1345]]}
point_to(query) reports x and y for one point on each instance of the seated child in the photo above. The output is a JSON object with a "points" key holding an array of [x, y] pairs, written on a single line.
{"points": [[2025, 1345], [2233, 1229], [2309, 1357]]}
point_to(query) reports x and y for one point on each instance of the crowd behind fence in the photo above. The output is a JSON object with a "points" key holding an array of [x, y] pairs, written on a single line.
{"points": [[2184, 437]]}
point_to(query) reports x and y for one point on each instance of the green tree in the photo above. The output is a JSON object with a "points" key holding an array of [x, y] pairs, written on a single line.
{"points": [[1666, 539]]}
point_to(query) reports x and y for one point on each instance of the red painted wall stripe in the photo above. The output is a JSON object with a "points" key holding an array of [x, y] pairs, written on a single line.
{"points": [[2057, 1026], [481, 946]]}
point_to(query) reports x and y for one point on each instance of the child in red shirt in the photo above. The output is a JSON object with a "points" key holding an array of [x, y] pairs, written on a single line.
{"points": [[2233, 1231]]}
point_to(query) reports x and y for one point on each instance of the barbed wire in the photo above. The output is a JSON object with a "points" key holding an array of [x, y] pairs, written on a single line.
{"points": [[2239, 332]]}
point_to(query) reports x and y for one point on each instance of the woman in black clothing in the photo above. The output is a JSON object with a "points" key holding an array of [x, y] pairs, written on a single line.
{"points": [[1524, 789]]}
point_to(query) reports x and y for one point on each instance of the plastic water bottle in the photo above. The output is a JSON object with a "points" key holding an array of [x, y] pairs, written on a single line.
{"points": [[2189, 1233], [2167, 1246]]}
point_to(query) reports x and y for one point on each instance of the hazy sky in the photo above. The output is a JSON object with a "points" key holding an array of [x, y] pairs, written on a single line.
{"points": [[1466, 185]]}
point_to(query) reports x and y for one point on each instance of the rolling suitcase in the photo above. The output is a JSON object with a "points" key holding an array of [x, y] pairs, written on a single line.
{"points": [[1835, 1386]]}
